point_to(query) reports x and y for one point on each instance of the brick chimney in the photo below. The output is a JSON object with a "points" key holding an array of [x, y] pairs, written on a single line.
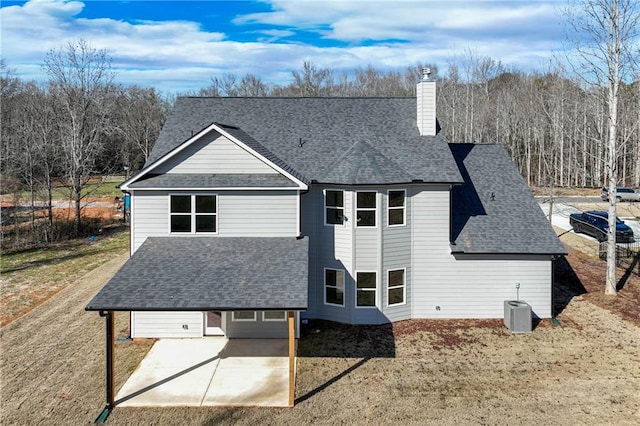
{"points": [[426, 97]]}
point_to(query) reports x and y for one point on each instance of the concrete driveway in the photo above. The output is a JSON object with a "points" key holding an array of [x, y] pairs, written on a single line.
{"points": [[210, 371]]}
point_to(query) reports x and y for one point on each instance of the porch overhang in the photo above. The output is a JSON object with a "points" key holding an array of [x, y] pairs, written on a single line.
{"points": [[207, 274], [210, 273]]}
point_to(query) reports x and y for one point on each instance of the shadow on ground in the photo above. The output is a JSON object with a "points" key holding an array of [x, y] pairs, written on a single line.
{"points": [[566, 285], [330, 339]]}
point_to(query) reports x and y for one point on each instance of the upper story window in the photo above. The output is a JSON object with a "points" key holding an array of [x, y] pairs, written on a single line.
{"points": [[396, 207], [334, 207], [366, 208], [193, 214]]}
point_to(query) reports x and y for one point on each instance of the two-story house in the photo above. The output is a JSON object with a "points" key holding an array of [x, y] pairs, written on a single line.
{"points": [[353, 210]]}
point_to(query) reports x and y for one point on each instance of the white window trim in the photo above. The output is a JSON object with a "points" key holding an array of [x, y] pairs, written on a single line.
{"points": [[404, 287], [374, 290], [324, 287], [404, 208], [192, 214], [368, 209], [234, 319], [283, 319], [325, 207]]}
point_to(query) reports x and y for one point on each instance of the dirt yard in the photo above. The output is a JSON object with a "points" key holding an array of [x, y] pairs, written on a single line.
{"points": [[583, 369]]}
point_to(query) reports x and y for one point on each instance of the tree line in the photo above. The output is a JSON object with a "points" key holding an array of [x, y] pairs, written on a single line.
{"points": [[552, 124], [77, 125], [80, 124]]}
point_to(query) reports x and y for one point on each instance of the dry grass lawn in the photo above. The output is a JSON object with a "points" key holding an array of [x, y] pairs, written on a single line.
{"points": [[584, 370], [30, 277]]}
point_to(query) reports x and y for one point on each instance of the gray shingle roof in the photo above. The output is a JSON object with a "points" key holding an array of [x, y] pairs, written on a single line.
{"points": [[308, 135], [204, 181], [262, 150], [362, 164], [494, 210], [209, 273]]}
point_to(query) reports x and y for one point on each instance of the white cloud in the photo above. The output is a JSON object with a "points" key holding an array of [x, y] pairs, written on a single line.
{"points": [[183, 55], [404, 20]]}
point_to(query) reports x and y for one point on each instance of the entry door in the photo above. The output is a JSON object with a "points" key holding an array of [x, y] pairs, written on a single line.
{"points": [[213, 323]]}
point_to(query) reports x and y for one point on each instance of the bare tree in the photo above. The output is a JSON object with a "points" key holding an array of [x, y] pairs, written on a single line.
{"points": [[604, 33], [39, 151], [80, 80], [11, 89], [253, 86], [312, 81], [141, 114]]}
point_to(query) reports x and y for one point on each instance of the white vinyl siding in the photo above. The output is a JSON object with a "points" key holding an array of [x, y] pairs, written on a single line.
{"points": [[480, 286], [166, 324], [438, 284], [149, 217], [465, 286], [258, 214], [396, 243], [240, 214], [329, 247], [312, 219], [214, 153], [367, 249]]}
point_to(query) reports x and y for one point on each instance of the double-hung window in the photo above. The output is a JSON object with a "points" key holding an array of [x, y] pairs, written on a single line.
{"points": [[334, 207], [193, 214], [366, 285], [334, 287], [396, 207], [366, 208], [396, 287]]}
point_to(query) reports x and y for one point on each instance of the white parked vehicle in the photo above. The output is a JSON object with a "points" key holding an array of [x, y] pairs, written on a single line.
{"points": [[622, 194]]}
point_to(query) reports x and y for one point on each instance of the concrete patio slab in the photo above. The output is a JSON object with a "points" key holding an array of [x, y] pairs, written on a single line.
{"points": [[211, 371], [252, 372]]}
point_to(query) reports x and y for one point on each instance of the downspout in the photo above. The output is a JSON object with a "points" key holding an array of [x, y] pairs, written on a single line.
{"points": [[109, 324]]}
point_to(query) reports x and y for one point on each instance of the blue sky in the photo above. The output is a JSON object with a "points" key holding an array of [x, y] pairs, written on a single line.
{"points": [[178, 46]]}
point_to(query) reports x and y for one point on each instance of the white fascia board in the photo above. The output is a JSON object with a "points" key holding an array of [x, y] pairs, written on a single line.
{"points": [[193, 139], [221, 188], [168, 156]]}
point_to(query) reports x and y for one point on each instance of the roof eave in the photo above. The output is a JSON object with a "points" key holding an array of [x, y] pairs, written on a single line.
{"points": [[457, 249], [226, 188], [90, 308], [401, 182]]}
